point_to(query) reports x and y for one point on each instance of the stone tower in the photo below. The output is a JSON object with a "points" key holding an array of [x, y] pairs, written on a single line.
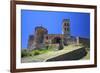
{"points": [[66, 30], [39, 36], [36, 41], [30, 42]]}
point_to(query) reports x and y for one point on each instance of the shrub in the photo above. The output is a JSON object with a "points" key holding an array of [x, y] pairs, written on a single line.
{"points": [[24, 53], [36, 52], [60, 46]]}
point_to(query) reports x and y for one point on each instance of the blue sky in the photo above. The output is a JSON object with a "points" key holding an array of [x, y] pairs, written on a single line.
{"points": [[52, 20]]}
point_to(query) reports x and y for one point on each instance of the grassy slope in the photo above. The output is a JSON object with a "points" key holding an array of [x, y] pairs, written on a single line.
{"points": [[50, 54]]}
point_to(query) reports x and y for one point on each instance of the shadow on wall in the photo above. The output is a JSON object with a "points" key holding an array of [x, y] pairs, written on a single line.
{"points": [[74, 55]]}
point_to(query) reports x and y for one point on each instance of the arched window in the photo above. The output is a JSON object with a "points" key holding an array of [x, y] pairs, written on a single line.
{"points": [[64, 29], [65, 24]]}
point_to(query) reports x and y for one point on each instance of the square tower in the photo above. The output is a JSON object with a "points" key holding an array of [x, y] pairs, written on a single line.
{"points": [[66, 27], [66, 30]]}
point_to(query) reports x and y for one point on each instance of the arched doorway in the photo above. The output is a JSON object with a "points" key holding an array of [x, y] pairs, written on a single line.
{"points": [[56, 40]]}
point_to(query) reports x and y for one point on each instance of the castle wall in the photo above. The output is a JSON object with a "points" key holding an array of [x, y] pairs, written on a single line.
{"points": [[42, 38]]}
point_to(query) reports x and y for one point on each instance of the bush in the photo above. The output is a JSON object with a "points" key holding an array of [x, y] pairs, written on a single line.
{"points": [[60, 46], [36, 52], [24, 53]]}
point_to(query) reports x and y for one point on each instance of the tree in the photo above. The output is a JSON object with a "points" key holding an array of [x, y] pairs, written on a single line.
{"points": [[60, 45]]}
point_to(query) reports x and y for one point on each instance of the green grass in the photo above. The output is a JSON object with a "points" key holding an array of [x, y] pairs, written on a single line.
{"points": [[37, 52], [87, 57], [46, 53], [25, 53]]}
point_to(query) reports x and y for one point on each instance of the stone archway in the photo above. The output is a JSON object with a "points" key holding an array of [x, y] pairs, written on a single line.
{"points": [[56, 40]]}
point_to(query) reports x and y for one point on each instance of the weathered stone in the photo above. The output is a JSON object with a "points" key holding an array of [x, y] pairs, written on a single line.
{"points": [[41, 38]]}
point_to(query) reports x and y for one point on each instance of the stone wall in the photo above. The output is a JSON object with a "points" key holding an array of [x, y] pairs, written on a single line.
{"points": [[74, 55]]}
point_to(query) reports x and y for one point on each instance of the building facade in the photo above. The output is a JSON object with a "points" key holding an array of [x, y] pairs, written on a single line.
{"points": [[42, 38]]}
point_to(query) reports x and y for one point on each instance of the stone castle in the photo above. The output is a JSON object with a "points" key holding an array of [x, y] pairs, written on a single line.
{"points": [[42, 38]]}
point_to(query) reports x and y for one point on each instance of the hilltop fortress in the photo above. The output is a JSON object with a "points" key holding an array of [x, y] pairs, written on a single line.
{"points": [[42, 38]]}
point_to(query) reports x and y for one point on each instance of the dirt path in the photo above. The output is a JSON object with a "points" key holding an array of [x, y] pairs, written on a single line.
{"points": [[51, 54]]}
